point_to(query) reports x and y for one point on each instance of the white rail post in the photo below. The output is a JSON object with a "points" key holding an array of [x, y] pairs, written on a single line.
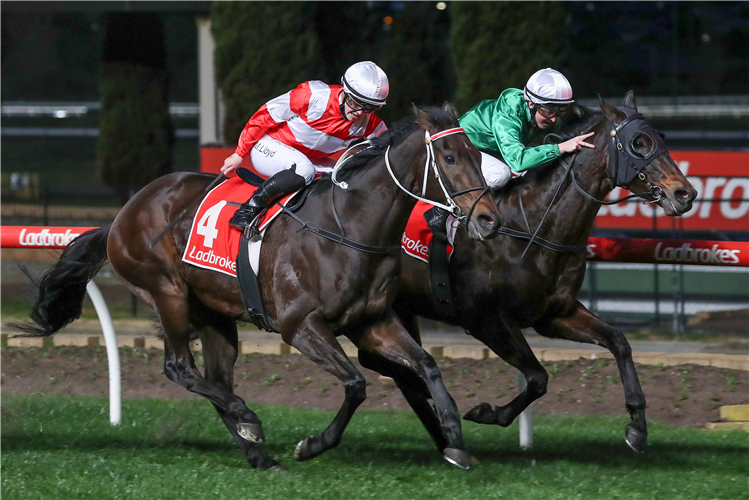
{"points": [[526, 419], [113, 354]]}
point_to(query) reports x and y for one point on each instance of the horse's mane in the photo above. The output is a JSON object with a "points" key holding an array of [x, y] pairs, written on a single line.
{"points": [[582, 119], [378, 145]]}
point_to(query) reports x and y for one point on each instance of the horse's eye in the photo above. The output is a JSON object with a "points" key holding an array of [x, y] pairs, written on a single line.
{"points": [[449, 159]]}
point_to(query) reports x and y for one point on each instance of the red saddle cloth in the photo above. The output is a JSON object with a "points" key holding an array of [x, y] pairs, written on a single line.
{"points": [[418, 236], [213, 244]]}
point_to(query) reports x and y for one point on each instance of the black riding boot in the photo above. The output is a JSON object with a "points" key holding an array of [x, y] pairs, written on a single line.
{"points": [[282, 183], [436, 218]]}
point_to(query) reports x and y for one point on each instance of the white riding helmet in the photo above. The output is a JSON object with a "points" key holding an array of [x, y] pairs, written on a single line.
{"points": [[366, 83], [548, 86]]}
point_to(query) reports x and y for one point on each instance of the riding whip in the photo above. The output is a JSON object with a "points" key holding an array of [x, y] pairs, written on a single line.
{"points": [[174, 221]]}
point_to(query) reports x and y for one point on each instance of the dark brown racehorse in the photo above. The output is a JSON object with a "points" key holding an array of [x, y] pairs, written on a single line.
{"points": [[497, 293], [314, 289]]}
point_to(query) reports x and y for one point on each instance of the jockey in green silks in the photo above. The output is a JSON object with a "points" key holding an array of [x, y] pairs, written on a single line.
{"points": [[502, 128]]}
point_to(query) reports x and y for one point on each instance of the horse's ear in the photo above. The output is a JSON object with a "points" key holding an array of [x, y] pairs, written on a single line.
{"points": [[612, 114], [450, 110], [629, 100], [422, 118]]}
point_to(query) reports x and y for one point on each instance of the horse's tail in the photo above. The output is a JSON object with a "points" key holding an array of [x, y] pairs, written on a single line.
{"points": [[62, 288]]}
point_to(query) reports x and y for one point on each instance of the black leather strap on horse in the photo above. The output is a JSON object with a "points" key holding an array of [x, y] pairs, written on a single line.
{"points": [[250, 287], [541, 241], [340, 239], [439, 280]]}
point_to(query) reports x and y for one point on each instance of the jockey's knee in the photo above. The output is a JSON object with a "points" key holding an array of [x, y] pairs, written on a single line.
{"points": [[496, 172]]}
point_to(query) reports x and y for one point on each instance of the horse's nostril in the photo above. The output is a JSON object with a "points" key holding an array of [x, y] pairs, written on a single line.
{"points": [[488, 221], [685, 195]]}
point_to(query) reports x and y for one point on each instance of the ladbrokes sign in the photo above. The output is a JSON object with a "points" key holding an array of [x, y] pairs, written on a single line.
{"points": [[38, 237], [715, 176], [651, 251]]}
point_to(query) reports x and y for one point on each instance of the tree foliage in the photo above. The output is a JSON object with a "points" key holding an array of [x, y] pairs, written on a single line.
{"points": [[263, 49], [135, 132], [498, 45], [416, 56]]}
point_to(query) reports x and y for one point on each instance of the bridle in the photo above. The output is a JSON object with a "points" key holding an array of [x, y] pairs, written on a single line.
{"points": [[431, 161], [625, 164]]}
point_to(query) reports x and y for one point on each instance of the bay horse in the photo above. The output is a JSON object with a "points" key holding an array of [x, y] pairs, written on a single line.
{"points": [[497, 291], [314, 289]]}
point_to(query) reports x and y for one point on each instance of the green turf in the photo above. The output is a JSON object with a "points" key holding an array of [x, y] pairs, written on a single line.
{"points": [[62, 447]]}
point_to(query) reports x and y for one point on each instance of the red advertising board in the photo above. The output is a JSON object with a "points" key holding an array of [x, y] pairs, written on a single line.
{"points": [[647, 251], [715, 175]]}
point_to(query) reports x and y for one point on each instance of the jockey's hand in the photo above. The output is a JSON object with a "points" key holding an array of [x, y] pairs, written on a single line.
{"points": [[231, 163], [576, 144]]}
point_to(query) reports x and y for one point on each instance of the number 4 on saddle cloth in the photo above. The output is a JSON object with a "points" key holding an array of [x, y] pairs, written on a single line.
{"points": [[212, 243]]}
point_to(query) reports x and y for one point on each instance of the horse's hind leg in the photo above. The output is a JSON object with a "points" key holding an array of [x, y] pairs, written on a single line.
{"points": [[179, 364], [218, 335], [390, 340], [315, 340], [584, 326], [507, 342]]}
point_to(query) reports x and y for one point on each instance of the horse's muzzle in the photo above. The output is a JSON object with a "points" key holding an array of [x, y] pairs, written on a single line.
{"points": [[484, 226], [678, 200]]}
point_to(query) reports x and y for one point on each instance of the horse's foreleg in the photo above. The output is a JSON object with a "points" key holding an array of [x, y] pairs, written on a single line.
{"points": [[316, 341], [389, 340], [219, 340], [508, 343], [584, 326], [414, 390]]}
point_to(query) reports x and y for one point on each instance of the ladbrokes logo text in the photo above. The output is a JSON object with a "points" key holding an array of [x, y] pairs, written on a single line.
{"points": [[46, 238], [688, 255]]}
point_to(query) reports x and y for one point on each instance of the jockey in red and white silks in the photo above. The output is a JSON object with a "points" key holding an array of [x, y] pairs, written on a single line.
{"points": [[290, 138], [303, 126]]}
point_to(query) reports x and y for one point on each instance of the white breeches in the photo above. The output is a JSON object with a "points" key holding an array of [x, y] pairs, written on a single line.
{"points": [[496, 172], [270, 156]]}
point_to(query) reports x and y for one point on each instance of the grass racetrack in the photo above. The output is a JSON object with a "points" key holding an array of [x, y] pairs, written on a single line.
{"points": [[59, 447]]}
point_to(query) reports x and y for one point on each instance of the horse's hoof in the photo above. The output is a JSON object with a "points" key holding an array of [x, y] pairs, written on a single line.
{"points": [[310, 447], [635, 438], [251, 432], [459, 458], [481, 414], [278, 468]]}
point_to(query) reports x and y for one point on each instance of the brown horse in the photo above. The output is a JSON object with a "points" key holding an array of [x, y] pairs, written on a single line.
{"points": [[497, 291], [313, 288]]}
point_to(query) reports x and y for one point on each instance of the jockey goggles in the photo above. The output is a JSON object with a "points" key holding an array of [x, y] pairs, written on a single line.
{"points": [[550, 111], [359, 106]]}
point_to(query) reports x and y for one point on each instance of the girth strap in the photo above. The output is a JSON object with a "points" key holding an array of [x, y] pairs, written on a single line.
{"points": [[439, 280], [250, 287]]}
